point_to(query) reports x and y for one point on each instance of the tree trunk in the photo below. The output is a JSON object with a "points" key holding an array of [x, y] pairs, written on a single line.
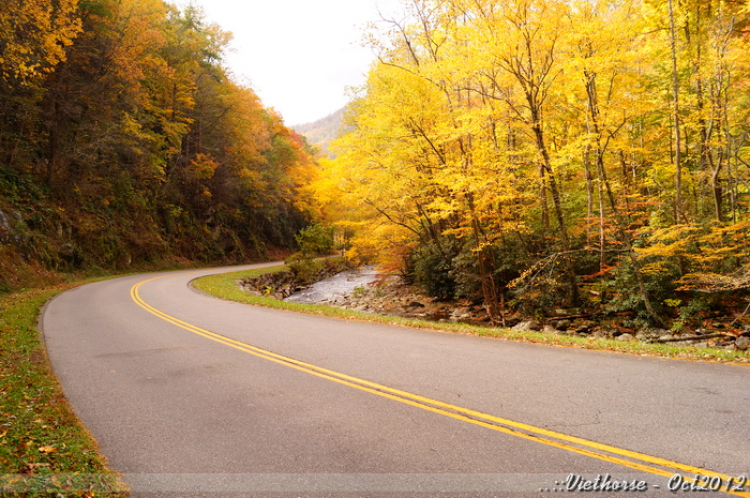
{"points": [[675, 118]]}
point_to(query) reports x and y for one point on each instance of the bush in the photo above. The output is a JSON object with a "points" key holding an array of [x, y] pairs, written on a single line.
{"points": [[315, 240], [304, 269], [431, 270]]}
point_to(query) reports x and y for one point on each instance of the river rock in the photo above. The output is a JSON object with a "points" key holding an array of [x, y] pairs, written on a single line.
{"points": [[650, 334], [67, 250], [459, 315], [742, 343], [527, 326], [603, 334]]}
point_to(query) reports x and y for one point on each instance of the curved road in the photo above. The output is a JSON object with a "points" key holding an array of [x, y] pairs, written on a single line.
{"points": [[189, 395]]}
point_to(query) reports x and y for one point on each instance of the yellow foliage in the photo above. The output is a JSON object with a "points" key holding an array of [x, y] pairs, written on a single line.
{"points": [[484, 121], [34, 36], [202, 167]]}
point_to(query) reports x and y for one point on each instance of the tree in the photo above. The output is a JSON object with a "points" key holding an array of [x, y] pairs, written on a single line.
{"points": [[35, 34], [493, 128]]}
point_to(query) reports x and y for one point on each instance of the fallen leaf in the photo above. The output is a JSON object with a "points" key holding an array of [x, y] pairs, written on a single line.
{"points": [[47, 449]]}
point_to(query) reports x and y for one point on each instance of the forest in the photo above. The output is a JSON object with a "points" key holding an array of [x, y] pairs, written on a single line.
{"points": [[124, 139], [537, 155]]}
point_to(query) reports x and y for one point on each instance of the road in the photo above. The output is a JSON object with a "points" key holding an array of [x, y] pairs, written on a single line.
{"points": [[189, 395]]}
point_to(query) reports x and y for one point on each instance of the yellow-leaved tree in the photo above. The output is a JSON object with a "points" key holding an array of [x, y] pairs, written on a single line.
{"points": [[532, 147], [34, 36]]}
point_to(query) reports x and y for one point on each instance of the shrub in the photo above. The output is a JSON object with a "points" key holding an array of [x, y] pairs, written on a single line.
{"points": [[315, 240], [305, 270], [431, 270]]}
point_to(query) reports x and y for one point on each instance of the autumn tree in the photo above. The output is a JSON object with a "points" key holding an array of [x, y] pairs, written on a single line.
{"points": [[522, 128], [142, 140], [34, 36]]}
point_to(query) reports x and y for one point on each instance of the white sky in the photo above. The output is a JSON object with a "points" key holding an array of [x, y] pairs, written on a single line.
{"points": [[298, 55]]}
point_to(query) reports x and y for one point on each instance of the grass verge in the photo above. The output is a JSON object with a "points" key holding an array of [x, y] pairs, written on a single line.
{"points": [[44, 449], [224, 286]]}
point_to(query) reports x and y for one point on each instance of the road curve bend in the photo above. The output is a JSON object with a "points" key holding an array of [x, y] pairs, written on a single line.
{"points": [[189, 395]]}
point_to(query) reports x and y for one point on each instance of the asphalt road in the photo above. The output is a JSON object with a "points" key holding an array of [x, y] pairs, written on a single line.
{"points": [[326, 407]]}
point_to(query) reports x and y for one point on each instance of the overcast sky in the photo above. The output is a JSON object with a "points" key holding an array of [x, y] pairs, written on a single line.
{"points": [[298, 55]]}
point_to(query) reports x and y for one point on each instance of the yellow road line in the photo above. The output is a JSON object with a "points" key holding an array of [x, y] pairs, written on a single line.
{"points": [[612, 454]]}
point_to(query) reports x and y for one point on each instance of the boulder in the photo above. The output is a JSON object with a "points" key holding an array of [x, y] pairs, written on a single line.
{"points": [[626, 338], [650, 334], [527, 326], [604, 334], [459, 315], [742, 343]]}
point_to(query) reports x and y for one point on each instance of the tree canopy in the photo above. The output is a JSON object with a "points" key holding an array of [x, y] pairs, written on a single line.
{"points": [[548, 153], [124, 137]]}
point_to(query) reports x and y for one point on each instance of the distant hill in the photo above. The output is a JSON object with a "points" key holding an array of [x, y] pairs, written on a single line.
{"points": [[323, 131]]}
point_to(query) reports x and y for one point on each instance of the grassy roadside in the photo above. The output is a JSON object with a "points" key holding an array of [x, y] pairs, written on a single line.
{"points": [[44, 449], [224, 286]]}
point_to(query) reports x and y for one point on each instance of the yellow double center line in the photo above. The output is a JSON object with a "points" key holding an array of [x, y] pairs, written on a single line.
{"points": [[612, 454]]}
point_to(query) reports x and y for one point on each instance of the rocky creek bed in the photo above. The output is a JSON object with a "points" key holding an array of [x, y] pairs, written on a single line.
{"points": [[368, 291]]}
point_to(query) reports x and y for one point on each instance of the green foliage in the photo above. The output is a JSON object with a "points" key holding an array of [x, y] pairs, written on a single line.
{"points": [[617, 288], [692, 310], [315, 240], [466, 275], [304, 268], [430, 267], [541, 287]]}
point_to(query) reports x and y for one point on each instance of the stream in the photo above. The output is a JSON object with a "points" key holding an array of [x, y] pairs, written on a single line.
{"points": [[335, 288]]}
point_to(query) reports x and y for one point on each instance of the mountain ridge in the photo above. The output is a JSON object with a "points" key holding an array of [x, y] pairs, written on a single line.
{"points": [[320, 133]]}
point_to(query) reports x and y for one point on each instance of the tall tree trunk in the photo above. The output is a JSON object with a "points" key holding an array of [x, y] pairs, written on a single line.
{"points": [[675, 118], [556, 200]]}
